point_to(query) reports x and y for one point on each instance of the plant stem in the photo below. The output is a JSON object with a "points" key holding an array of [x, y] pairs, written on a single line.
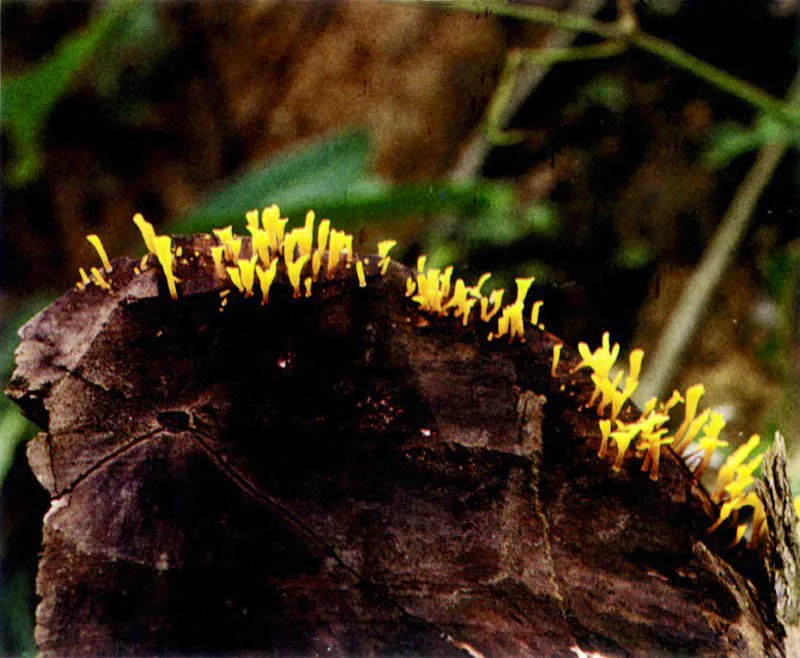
{"points": [[665, 50], [705, 279]]}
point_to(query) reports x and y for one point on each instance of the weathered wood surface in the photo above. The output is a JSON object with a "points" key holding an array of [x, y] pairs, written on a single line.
{"points": [[327, 476]]}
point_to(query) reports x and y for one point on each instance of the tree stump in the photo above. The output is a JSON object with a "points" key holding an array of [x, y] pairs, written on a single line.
{"points": [[338, 475]]}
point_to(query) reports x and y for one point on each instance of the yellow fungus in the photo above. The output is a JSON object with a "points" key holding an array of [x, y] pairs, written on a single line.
{"points": [[516, 323], [316, 263], [693, 395], [411, 287], [710, 442], [289, 245], [280, 229], [252, 220], [635, 360], [224, 235], [556, 356], [444, 281], [323, 230], [306, 235], [179, 251], [622, 438], [233, 248], [732, 465], [307, 284], [607, 388], [219, 266], [247, 271], [163, 245], [750, 500], [466, 309], [742, 482], [348, 247], [652, 442], [759, 523], [649, 406], [601, 360], [523, 286], [265, 279], [99, 280], [476, 289], [270, 217], [421, 263], [692, 431], [362, 281], [293, 271], [236, 278], [84, 277], [136, 270], [384, 247], [337, 240], [260, 244], [143, 262], [496, 298], [147, 231], [269, 221], [432, 290], [674, 399], [535, 312], [232, 244], [459, 298], [98, 245], [605, 432]]}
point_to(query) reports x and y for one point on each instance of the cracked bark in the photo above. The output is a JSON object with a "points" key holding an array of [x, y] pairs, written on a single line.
{"points": [[327, 475]]}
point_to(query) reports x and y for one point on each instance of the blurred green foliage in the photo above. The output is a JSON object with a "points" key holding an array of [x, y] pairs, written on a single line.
{"points": [[781, 275], [333, 177], [732, 140], [29, 98]]}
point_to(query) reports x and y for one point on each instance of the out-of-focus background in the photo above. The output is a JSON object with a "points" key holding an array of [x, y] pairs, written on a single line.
{"points": [[605, 172]]}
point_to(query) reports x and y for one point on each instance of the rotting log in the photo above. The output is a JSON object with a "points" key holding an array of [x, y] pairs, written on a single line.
{"points": [[338, 475]]}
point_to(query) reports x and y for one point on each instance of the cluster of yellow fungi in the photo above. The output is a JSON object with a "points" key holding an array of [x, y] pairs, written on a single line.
{"points": [[435, 293], [695, 439]]}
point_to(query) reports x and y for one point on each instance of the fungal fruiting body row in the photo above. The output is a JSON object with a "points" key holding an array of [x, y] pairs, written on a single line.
{"points": [[304, 260], [695, 439], [436, 294]]}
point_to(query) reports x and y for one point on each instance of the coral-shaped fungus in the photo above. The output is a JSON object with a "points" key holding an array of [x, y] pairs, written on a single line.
{"points": [[649, 432]]}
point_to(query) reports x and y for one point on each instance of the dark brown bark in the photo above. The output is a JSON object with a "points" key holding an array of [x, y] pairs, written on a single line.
{"points": [[337, 475]]}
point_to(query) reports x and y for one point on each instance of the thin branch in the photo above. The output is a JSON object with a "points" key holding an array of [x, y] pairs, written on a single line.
{"points": [[665, 50], [528, 76], [706, 277], [506, 95]]}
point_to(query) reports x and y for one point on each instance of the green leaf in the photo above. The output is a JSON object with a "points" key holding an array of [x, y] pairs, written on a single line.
{"points": [[29, 98], [292, 179], [14, 429], [376, 203], [331, 177]]}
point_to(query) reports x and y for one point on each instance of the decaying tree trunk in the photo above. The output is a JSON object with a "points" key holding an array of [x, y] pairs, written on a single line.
{"points": [[338, 476]]}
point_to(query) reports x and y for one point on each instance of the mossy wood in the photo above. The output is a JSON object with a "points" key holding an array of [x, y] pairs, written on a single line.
{"points": [[341, 476]]}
